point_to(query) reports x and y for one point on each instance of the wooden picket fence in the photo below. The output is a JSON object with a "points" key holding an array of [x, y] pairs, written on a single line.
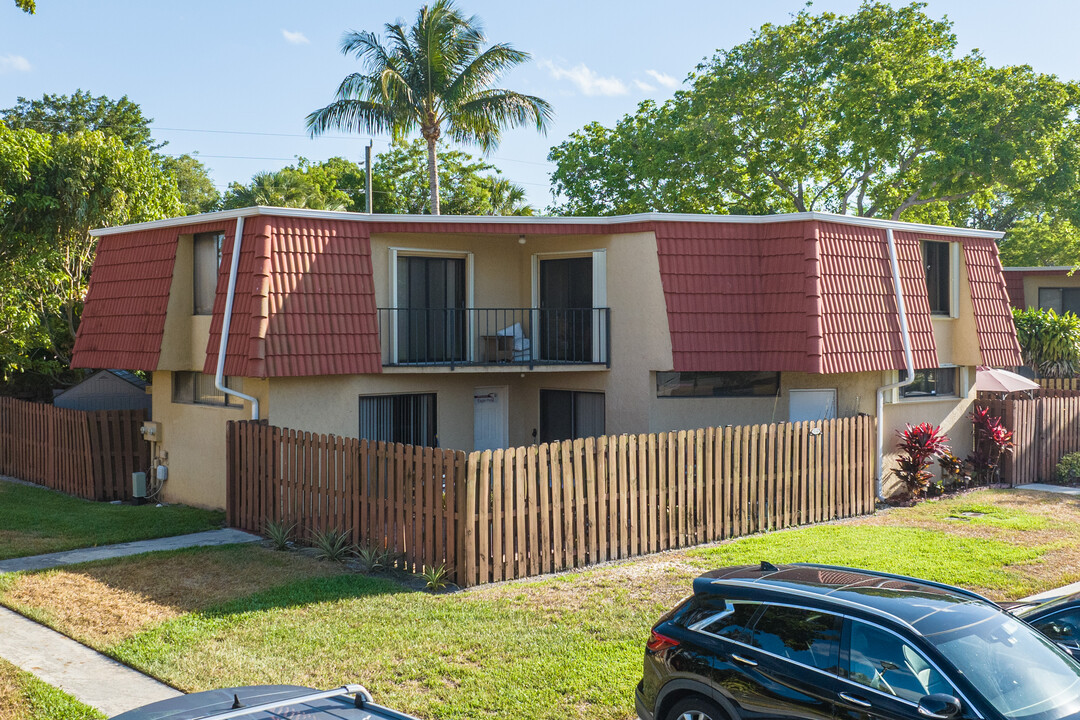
{"points": [[526, 511], [1046, 427], [87, 454]]}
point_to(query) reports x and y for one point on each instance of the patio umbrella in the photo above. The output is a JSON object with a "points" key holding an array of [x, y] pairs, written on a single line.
{"points": [[1003, 381]]}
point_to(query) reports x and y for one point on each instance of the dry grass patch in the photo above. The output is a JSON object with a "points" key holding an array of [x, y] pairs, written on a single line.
{"points": [[103, 603], [13, 705]]}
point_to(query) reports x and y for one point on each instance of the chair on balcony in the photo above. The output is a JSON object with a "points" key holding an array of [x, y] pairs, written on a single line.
{"points": [[522, 344]]}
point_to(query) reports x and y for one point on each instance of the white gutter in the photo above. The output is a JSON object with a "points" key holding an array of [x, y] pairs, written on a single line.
{"points": [[909, 363], [219, 376]]}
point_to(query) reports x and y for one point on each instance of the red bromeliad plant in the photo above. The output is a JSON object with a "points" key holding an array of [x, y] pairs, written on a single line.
{"points": [[992, 441], [919, 445]]}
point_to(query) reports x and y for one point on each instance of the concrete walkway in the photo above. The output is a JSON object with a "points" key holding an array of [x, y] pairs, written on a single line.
{"points": [[89, 676], [1043, 487], [72, 557]]}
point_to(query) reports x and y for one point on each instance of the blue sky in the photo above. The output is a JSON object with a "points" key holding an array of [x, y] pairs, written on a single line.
{"points": [[205, 70]]}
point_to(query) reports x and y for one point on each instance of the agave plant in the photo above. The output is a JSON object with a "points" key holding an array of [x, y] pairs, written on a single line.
{"points": [[332, 544], [375, 558], [279, 533], [434, 577]]}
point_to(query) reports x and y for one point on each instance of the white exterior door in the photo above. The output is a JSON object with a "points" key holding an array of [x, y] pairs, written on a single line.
{"points": [[491, 418], [817, 404]]}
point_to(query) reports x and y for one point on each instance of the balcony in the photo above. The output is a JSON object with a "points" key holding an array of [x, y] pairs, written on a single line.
{"points": [[492, 337]]}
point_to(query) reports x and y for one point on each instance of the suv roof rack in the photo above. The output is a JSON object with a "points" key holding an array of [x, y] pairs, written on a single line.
{"points": [[893, 576], [362, 700]]}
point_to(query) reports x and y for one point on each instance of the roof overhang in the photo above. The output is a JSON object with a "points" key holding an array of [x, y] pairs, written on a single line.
{"points": [[510, 221]]}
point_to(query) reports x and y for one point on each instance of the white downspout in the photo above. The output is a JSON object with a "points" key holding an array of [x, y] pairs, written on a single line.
{"points": [[909, 363], [219, 376]]}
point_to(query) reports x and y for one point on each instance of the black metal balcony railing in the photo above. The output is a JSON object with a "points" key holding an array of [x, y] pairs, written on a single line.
{"points": [[495, 336]]}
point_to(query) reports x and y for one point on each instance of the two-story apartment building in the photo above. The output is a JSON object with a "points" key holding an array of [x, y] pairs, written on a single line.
{"points": [[481, 332]]}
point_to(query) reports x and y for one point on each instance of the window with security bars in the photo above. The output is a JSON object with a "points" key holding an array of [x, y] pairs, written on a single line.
{"points": [[407, 419], [199, 389]]}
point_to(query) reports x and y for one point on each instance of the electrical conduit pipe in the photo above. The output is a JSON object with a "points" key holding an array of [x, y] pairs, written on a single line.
{"points": [[219, 376], [909, 363]]}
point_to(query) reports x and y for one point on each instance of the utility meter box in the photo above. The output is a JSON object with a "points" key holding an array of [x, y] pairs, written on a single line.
{"points": [[151, 431]]}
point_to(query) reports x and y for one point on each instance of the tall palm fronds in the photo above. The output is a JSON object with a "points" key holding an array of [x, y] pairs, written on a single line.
{"points": [[433, 76]]}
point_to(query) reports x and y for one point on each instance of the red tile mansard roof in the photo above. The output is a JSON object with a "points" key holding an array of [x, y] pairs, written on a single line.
{"points": [[804, 293]]}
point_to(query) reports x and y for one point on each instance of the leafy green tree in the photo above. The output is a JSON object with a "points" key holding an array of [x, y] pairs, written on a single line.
{"points": [[1039, 241], [467, 184], [432, 75], [303, 186], [69, 114], [869, 114], [53, 191], [197, 191], [26, 6]]}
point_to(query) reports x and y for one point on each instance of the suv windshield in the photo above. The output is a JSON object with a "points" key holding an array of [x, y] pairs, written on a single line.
{"points": [[1017, 670]]}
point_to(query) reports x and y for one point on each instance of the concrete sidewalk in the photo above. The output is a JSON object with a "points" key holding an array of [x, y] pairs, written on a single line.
{"points": [[89, 676], [227, 536], [1043, 487]]}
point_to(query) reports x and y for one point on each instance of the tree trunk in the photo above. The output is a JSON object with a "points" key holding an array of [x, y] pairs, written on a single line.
{"points": [[433, 175]]}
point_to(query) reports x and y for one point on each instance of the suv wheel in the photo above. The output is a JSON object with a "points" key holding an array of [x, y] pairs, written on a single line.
{"points": [[696, 708]]}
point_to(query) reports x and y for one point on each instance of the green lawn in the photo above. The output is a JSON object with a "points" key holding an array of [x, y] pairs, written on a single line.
{"points": [[24, 697], [34, 521], [567, 646]]}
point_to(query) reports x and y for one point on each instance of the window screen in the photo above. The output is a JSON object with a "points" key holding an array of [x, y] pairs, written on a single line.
{"points": [[406, 419], [200, 389], [1060, 300], [568, 414], [717, 384]]}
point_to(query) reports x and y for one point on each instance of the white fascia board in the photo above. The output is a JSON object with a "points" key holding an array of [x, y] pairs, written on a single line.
{"points": [[1043, 268], [511, 221]]}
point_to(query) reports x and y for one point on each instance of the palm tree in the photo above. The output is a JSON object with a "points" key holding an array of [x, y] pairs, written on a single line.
{"points": [[506, 197], [431, 75]]}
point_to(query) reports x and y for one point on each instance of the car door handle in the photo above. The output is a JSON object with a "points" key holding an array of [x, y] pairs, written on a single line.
{"points": [[854, 700], [744, 661]]}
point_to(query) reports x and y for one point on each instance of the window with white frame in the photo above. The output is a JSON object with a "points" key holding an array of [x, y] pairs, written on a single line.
{"points": [[938, 261], [931, 382]]}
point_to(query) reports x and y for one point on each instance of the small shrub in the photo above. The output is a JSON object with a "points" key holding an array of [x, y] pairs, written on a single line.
{"points": [[375, 557], [992, 441], [434, 577], [279, 533], [331, 544], [952, 472], [919, 444], [1068, 470]]}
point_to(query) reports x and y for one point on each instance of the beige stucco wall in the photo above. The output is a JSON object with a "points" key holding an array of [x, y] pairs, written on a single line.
{"points": [[503, 277], [951, 414], [1032, 283], [192, 443]]}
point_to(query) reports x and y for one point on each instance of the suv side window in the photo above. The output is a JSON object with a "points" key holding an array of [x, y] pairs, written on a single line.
{"points": [[1062, 627], [733, 623], [809, 637], [882, 661]]}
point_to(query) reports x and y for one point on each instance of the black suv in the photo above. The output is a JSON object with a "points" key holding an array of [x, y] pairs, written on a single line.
{"points": [[816, 642]]}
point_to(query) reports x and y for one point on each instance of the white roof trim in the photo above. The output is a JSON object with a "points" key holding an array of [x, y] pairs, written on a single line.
{"points": [[1043, 268], [512, 220]]}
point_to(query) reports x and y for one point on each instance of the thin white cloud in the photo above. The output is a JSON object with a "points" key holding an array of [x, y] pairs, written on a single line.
{"points": [[643, 86], [295, 38], [13, 63], [586, 80], [666, 80]]}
